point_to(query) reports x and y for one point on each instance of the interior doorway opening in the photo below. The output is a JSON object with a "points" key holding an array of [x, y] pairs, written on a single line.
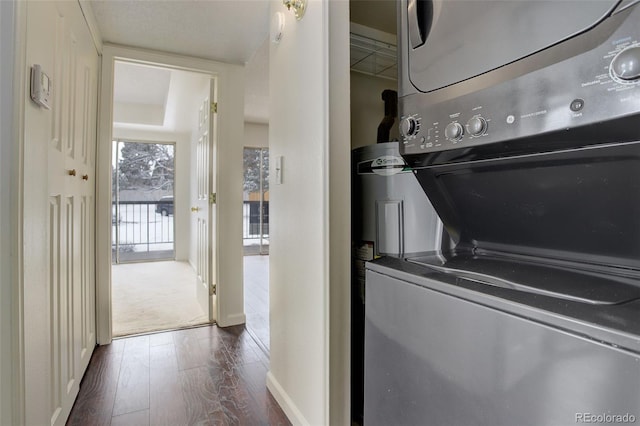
{"points": [[163, 155]]}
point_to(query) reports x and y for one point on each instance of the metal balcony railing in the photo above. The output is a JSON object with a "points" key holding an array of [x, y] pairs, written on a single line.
{"points": [[142, 231], [251, 220]]}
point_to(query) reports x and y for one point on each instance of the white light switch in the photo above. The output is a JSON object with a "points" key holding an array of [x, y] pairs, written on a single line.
{"points": [[279, 170]]}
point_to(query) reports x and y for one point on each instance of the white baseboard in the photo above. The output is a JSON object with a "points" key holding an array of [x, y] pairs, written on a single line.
{"points": [[229, 320], [287, 405]]}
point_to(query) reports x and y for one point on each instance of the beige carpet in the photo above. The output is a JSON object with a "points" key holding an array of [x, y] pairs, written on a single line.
{"points": [[154, 296]]}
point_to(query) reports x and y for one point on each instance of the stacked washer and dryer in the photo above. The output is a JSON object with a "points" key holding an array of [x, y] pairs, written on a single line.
{"points": [[521, 124]]}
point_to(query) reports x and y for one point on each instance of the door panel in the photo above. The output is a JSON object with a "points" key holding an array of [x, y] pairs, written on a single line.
{"points": [[55, 287], [204, 207], [59, 287]]}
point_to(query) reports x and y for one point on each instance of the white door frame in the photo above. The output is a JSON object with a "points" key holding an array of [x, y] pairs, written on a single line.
{"points": [[230, 81], [13, 86]]}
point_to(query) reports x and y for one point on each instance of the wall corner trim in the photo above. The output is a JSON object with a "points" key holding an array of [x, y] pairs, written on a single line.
{"points": [[92, 24], [287, 405]]}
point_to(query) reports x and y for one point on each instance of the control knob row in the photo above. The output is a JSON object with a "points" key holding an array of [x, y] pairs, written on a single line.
{"points": [[476, 126]]}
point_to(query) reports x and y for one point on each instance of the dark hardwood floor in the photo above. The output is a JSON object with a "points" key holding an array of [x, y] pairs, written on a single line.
{"points": [[256, 298], [197, 376]]}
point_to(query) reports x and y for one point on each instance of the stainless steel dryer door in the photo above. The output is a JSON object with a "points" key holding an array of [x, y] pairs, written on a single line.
{"points": [[449, 41]]}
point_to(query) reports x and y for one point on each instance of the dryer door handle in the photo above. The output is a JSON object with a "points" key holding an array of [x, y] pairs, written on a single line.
{"points": [[420, 17], [414, 26]]}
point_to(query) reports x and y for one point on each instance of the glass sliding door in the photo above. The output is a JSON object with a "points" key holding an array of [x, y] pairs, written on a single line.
{"points": [[256, 201], [142, 201]]}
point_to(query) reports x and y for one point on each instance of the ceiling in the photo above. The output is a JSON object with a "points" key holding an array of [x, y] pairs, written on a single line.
{"points": [[256, 92], [224, 30], [230, 31]]}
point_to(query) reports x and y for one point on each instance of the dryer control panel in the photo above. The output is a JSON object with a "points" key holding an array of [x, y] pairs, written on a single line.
{"points": [[592, 78]]}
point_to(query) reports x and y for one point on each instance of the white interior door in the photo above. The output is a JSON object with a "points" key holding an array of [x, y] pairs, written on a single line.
{"points": [[60, 312], [204, 210]]}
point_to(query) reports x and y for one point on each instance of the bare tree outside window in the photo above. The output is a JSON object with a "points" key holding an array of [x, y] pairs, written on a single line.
{"points": [[256, 200], [252, 168], [143, 204], [146, 166]]}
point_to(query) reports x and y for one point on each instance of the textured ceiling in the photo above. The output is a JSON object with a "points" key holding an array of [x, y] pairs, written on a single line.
{"points": [[231, 31], [224, 30]]}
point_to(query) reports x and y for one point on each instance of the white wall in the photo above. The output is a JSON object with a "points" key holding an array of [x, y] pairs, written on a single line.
{"points": [[367, 108], [308, 211], [229, 184], [256, 135], [138, 113], [182, 212]]}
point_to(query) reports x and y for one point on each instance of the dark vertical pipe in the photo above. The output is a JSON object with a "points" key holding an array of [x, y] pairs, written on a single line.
{"points": [[390, 98]]}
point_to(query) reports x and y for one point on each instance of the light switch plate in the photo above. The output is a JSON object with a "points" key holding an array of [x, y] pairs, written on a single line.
{"points": [[279, 170], [40, 87]]}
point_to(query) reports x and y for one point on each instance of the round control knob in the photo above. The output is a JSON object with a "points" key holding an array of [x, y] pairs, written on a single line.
{"points": [[626, 64], [454, 131], [408, 127], [477, 126]]}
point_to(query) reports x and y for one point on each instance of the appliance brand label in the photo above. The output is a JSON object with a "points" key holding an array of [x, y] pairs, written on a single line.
{"points": [[387, 165]]}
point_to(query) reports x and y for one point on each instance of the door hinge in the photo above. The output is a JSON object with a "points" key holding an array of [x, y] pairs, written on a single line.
{"points": [[214, 107], [212, 198], [212, 290]]}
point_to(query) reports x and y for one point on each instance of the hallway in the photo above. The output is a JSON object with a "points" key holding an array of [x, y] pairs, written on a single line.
{"points": [[205, 375]]}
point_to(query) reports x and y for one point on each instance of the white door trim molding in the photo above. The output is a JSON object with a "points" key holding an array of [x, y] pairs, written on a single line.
{"points": [[230, 78], [13, 39]]}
